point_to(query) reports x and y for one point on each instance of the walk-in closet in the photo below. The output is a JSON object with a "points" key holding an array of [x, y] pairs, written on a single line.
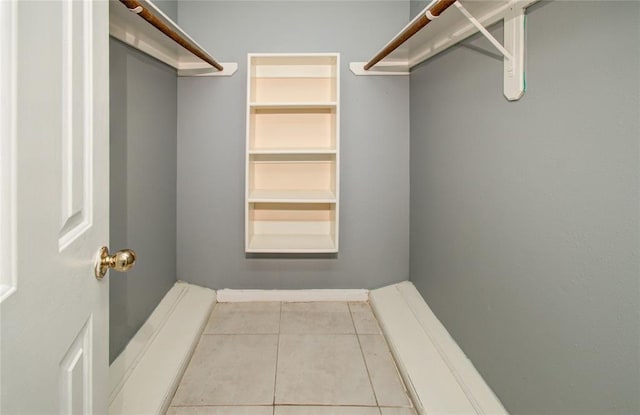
{"points": [[343, 207]]}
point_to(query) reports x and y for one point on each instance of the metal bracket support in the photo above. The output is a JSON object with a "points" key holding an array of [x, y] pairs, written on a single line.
{"points": [[513, 49]]}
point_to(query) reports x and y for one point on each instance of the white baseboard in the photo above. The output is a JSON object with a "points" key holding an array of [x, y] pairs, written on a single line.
{"points": [[436, 371], [145, 376], [292, 296], [438, 375]]}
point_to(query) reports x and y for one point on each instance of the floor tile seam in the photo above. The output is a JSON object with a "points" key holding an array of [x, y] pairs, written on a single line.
{"points": [[351, 313], [398, 406], [238, 334], [222, 404], [293, 405], [395, 366], [318, 334], [218, 405], [397, 369], [364, 360], [280, 318], [326, 405], [193, 353], [275, 376], [287, 334], [288, 405]]}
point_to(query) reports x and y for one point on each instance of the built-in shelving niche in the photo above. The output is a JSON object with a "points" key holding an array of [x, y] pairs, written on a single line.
{"points": [[292, 177]]}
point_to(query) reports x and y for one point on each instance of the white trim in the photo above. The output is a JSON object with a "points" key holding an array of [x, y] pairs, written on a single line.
{"points": [[294, 54], [134, 31], [145, 376], [8, 146], [425, 49], [381, 68], [436, 371], [292, 296], [451, 30], [483, 30], [123, 365], [514, 37], [187, 69], [336, 213], [463, 370]]}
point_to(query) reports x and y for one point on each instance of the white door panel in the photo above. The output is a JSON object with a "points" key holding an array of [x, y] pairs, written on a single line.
{"points": [[77, 134], [54, 327]]}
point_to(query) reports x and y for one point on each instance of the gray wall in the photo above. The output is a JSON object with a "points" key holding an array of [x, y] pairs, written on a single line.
{"points": [[168, 7], [143, 186], [525, 216], [374, 222]]}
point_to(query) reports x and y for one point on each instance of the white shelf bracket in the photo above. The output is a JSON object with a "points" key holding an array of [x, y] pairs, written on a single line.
{"points": [[513, 49], [229, 68], [381, 68]]}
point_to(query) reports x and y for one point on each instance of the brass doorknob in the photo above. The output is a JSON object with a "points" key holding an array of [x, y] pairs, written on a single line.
{"points": [[121, 261]]}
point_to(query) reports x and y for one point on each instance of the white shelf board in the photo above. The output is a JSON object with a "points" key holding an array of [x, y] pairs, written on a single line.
{"points": [[294, 151], [291, 196], [293, 105], [381, 68], [284, 244], [131, 29], [450, 28]]}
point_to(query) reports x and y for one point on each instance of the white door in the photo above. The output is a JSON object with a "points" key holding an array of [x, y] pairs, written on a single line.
{"points": [[54, 312]]}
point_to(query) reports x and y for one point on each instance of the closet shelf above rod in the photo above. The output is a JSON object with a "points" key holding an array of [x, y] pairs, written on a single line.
{"points": [[431, 13], [412, 46], [142, 25]]}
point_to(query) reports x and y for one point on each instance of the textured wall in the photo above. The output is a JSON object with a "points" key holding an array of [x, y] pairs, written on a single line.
{"points": [[374, 222], [525, 216], [143, 186]]}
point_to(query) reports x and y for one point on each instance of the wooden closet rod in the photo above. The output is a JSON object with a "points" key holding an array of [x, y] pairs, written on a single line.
{"points": [[410, 30], [137, 8]]}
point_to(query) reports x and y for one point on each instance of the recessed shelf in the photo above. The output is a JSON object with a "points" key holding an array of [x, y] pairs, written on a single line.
{"points": [[284, 157], [293, 78], [293, 128], [294, 89], [292, 227], [310, 174], [293, 151], [294, 244], [294, 105], [292, 196], [292, 154]]}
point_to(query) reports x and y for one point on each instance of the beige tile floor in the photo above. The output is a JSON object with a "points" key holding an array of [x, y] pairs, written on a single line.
{"points": [[291, 359]]}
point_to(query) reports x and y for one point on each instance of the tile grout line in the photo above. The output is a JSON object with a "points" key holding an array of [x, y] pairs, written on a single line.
{"points": [[279, 333], [193, 353], [275, 377], [225, 405], [364, 359], [393, 359], [398, 374]]}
